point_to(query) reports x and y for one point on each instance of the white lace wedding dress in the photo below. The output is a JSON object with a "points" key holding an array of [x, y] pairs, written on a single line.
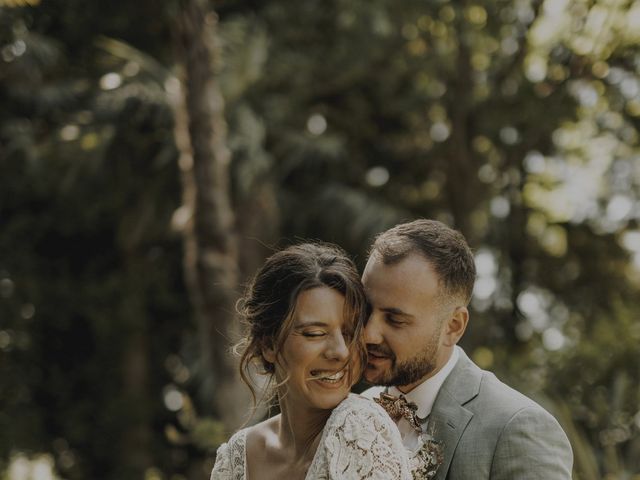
{"points": [[359, 441]]}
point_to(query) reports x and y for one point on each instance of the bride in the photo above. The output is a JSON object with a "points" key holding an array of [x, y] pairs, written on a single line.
{"points": [[306, 309]]}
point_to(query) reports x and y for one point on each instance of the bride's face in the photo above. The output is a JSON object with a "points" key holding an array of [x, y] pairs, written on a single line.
{"points": [[315, 356]]}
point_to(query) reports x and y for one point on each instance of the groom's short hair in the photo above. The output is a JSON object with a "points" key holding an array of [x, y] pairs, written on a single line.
{"points": [[444, 248]]}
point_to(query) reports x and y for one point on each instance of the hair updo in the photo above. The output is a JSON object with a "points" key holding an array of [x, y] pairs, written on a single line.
{"points": [[270, 300]]}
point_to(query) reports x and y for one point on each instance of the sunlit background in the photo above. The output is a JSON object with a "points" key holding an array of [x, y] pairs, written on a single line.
{"points": [[131, 214]]}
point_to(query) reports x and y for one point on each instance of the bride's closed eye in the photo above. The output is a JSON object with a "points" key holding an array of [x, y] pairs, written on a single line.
{"points": [[313, 334]]}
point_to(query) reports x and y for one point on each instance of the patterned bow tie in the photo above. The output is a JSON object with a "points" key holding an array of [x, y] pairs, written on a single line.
{"points": [[399, 407]]}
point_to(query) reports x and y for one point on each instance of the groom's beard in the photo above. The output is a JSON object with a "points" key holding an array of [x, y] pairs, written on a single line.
{"points": [[409, 371]]}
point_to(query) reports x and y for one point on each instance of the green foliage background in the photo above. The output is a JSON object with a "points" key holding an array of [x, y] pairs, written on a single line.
{"points": [[517, 122]]}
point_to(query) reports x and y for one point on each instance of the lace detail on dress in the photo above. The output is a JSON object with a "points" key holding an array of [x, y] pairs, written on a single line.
{"points": [[230, 458], [360, 441]]}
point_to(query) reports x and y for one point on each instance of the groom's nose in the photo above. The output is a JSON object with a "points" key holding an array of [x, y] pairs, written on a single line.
{"points": [[372, 331]]}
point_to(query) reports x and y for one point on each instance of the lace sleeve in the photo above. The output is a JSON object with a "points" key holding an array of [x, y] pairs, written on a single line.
{"points": [[230, 458], [362, 442], [222, 468]]}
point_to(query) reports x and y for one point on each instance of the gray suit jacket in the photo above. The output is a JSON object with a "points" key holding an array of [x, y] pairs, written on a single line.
{"points": [[491, 431]]}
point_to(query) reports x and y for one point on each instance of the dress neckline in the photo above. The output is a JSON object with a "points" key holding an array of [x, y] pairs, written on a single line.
{"points": [[243, 443]]}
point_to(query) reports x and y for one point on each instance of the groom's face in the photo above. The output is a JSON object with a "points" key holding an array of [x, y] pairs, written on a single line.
{"points": [[405, 331]]}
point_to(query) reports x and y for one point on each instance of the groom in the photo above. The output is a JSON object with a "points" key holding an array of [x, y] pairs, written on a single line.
{"points": [[419, 279]]}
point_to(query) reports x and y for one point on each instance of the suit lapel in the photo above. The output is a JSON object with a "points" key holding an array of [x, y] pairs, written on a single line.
{"points": [[449, 417], [447, 424]]}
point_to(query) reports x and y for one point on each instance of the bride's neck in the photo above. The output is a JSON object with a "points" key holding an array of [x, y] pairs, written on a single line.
{"points": [[301, 428]]}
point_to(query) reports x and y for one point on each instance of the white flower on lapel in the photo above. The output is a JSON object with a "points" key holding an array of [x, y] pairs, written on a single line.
{"points": [[428, 458]]}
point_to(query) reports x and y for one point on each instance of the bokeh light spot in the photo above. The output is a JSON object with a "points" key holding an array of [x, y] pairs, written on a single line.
{"points": [[485, 263], [27, 311], [173, 399], [439, 132], [476, 15], [69, 133], [535, 68], [484, 287], [619, 207], [553, 339], [6, 287], [500, 207], [110, 81], [509, 135], [316, 124], [131, 69], [483, 357], [89, 141], [534, 162], [377, 176]]}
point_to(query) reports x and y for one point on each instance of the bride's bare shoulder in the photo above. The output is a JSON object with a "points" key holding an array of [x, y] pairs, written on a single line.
{"points": [[262, 434]]}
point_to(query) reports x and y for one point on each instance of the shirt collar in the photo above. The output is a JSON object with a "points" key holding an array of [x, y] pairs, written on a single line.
{"points": [[424, 395]]}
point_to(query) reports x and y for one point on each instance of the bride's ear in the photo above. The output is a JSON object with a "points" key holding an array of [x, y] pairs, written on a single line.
{"points": [[268, 352]]}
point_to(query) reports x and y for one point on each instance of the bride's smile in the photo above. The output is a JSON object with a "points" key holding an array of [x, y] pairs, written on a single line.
{"points": [[330, 377]]}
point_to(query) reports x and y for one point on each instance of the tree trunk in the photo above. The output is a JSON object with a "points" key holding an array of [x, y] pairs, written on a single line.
{"points": [[463, 189], [135, 445], [210, 242]]}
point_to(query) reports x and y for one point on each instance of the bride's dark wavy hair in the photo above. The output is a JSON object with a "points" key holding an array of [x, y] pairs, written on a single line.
{"points": [[268, 306]]}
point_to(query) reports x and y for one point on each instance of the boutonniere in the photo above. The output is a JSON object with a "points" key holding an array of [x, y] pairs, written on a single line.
{"points": [[428, 458]]}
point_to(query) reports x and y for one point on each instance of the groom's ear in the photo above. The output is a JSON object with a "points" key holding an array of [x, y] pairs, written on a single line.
{"points": [[456, 325]]}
